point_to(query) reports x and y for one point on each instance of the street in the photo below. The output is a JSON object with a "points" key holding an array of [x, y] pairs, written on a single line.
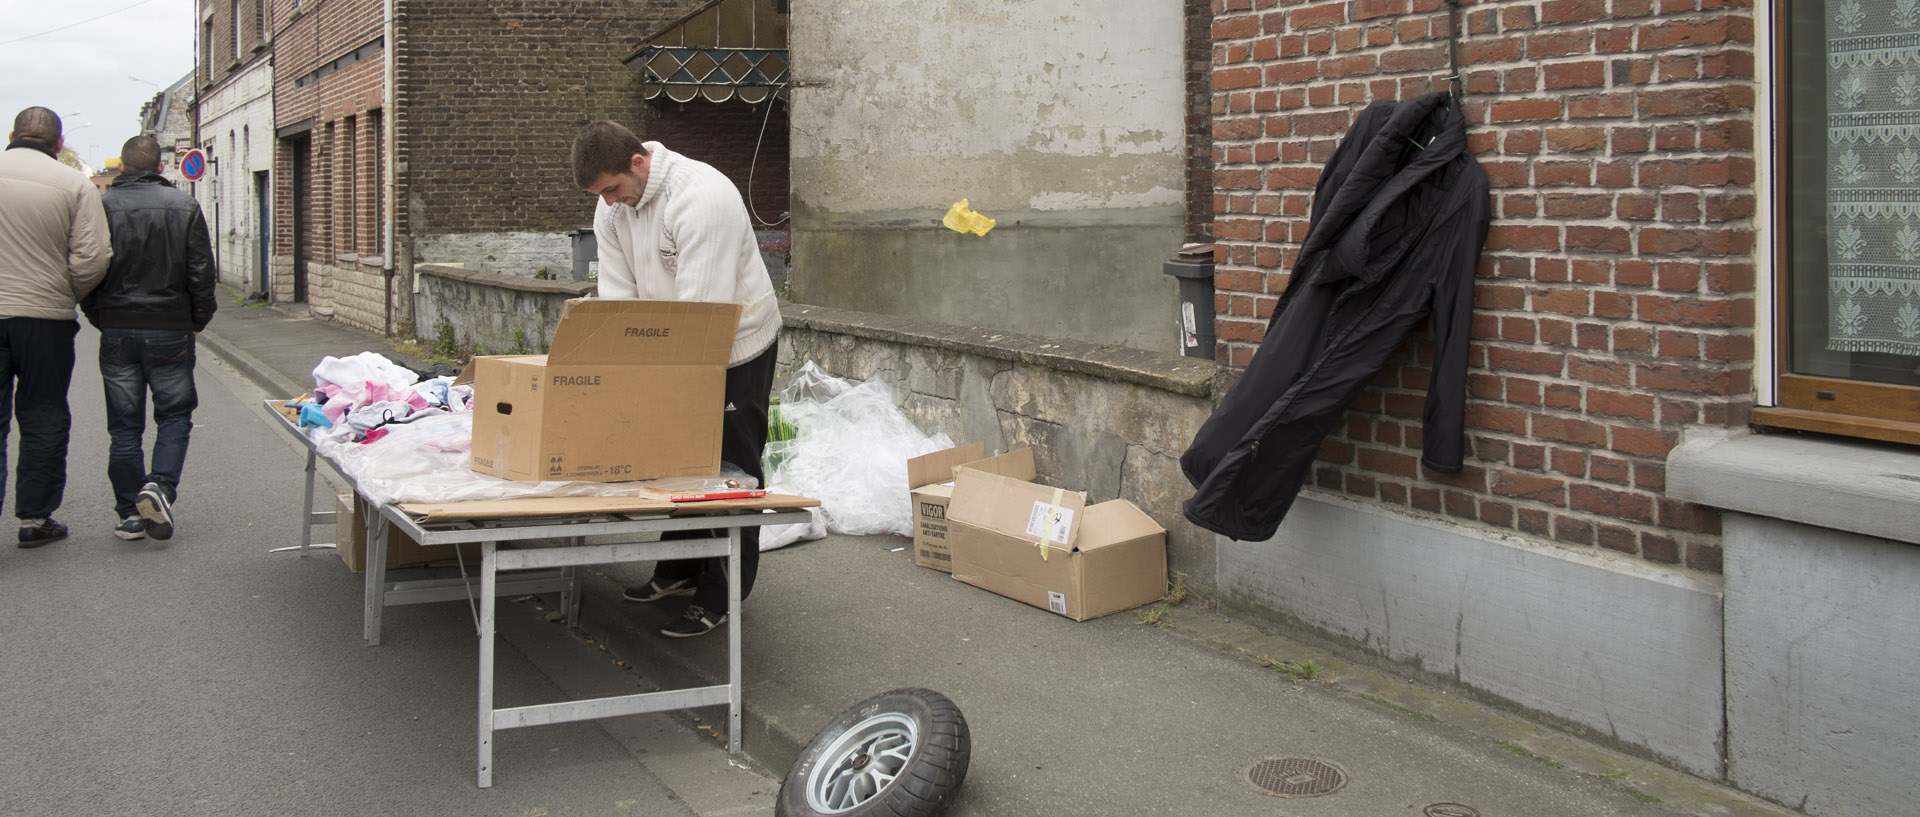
{"points": [[209, 676]]}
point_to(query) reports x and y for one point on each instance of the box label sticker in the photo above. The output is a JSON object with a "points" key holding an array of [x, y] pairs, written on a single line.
{"points": [[1055, 529], [1057, 602]]}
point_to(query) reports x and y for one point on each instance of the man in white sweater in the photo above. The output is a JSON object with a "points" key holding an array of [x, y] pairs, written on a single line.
{"points": [[670, 228]]}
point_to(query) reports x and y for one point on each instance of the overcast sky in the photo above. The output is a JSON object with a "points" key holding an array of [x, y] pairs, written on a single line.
{"points": [[75, 56]]}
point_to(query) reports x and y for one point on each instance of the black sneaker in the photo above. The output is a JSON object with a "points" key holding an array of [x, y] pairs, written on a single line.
{"points": [[155, 508], [132, 527], [37, 532], [695, 621], [655, 590]]}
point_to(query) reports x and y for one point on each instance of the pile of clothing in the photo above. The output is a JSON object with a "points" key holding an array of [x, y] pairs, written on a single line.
{"points": [[356, 399]]}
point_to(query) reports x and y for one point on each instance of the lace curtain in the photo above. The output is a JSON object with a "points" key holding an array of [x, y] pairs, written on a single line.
{"points": [[1873, 175]]}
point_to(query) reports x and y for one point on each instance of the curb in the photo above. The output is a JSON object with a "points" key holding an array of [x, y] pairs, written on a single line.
{"points": [[252, 367]]}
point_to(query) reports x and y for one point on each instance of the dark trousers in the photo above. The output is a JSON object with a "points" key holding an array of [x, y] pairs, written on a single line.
{"points": [[743, 438], [36, 367], [132, 363]]}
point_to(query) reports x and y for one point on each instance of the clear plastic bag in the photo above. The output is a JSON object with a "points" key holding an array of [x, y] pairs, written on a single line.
{"points": [[850, 449], [427, 461]]}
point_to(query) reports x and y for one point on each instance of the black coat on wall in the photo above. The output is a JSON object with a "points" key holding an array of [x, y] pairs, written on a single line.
{"points": [[1398, 220]]}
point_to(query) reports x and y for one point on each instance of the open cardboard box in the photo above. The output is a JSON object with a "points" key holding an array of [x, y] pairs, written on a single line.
{"points": [[930, 482], [1045, 546], [629, 390]]}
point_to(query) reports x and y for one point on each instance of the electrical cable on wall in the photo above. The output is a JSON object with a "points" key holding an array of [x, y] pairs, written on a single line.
{"points": [[772, 97]]}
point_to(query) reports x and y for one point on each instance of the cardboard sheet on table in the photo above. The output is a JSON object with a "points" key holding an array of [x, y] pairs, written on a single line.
{"points": [[652, 502]]}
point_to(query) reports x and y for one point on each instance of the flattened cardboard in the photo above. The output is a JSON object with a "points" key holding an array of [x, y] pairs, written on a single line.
{"points": [[630, 390], [930, 483], [1117, 559], [350, 541], [647, 503]]}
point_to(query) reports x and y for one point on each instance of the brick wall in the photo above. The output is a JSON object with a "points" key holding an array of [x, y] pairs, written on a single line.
{"points": [[729, 136], [492, 95], [1199, 76], [1615, 296], [217, 58]]}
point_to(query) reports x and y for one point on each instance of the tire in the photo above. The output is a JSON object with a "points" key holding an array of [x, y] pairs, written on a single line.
{"points": [[901, 753]]}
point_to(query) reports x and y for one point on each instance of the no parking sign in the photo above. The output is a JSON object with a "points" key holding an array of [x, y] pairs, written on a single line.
{"points": [[193, 165]]}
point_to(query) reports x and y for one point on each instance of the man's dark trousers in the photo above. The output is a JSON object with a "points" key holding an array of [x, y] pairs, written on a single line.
{"points": [[132, 361], [743, 439], [36, 367]]}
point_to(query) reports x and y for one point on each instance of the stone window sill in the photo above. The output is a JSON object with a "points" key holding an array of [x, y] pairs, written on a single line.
{"points": [[1857, 486]]}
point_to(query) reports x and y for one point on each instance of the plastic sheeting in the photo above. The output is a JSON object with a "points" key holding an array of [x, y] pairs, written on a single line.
{"points": [[849, 450]]}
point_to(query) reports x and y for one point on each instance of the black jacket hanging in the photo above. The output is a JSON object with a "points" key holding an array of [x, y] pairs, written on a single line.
{"points": [[1398, 220]]}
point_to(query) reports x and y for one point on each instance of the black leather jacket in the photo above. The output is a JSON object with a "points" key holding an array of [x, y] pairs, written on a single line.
{"points": [[162, 274]]}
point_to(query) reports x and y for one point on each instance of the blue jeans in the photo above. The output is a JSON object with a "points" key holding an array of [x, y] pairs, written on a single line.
{"points": [[36, 366], [132, 362]]}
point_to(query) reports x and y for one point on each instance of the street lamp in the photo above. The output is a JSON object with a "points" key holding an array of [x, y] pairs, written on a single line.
{"points": [[156, 85]]}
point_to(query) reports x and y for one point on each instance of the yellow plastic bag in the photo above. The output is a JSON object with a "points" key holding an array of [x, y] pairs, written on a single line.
{"points": [[962, 219]]}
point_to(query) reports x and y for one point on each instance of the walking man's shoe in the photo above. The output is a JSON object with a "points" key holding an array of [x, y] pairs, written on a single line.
{"points": [[695, 621], [37, 532], [130, 528], [655, 589], [155, 509]]}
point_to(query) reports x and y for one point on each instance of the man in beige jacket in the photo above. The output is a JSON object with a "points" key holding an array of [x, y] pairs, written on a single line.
{"points": [[53, 250]]}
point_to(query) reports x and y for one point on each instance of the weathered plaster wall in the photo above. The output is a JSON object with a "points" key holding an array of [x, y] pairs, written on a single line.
{"points": [[1061, 119], [491, 313], [236, 131]]}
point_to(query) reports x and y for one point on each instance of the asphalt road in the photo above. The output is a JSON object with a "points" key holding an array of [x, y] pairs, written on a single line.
{"points": [[209, 676]]}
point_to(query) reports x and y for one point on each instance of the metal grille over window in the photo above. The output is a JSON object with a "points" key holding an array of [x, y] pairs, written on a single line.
{"points": [[728, 49]]}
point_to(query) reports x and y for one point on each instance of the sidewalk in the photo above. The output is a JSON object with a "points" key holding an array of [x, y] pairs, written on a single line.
{"points": [[1106, 717]]}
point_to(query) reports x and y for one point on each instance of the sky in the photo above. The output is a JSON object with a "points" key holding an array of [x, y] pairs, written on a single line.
{"points": [[76, 57]]}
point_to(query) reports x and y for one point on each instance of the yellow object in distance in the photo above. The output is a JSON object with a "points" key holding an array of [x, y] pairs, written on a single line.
{"points": [[962, 219]]}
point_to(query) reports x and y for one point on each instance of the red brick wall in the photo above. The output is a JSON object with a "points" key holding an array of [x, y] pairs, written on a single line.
{"points": [[1615, 296], [730, 136]]}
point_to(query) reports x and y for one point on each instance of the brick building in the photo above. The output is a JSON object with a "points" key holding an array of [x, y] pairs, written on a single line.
{"points": [[1667, 280], [440, 135], [233, 126]]}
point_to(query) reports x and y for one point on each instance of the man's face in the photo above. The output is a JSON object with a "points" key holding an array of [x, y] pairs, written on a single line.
{"points": [[623, 188]]}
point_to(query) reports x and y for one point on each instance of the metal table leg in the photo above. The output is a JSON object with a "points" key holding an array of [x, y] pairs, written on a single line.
{"points": [[485, 755], [374, 600], [734, 685]]}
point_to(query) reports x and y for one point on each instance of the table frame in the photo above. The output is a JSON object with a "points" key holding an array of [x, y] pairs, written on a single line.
{"points": [[552, 567]]}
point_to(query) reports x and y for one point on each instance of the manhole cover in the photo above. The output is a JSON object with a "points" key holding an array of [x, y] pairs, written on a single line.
{"points": [[1296, 777], [1449, 810]]}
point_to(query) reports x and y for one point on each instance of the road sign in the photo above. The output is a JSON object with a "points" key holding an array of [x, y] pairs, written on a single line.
{"points": [[193, 165]]}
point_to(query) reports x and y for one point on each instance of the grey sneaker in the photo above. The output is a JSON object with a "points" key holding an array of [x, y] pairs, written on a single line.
{"points": [[655, 590], [37, 532], [695, 621], [130, 528], [155, 508]]}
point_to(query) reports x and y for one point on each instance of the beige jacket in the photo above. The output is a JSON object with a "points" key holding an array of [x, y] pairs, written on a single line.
{"points": [[53, 236]]}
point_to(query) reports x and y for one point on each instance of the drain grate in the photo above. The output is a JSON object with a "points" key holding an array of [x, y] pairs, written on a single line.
{"points": [[1296, 777], [1449, 810]]}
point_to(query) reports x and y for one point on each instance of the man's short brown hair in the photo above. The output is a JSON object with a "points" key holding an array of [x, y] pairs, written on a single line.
{"points": [[140, 153], [37, 124], [603, 148]]}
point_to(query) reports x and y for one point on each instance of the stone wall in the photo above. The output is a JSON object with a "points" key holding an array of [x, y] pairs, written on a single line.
{"points": [[491, 312], [1107, 420]]}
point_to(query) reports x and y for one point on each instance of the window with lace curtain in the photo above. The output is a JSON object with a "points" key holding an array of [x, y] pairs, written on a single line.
{"points": [[1848, 224]]}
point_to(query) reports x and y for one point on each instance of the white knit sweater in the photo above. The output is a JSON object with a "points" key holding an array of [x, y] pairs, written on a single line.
{"points": [[689, 239]]}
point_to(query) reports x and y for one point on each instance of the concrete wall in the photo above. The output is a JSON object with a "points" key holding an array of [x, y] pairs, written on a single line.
{"points": [[1628, 651], [1823, 681], [1109, 421], [1062, 119], [236, 131], [494, 312], [1822, 558], [511, 253]]}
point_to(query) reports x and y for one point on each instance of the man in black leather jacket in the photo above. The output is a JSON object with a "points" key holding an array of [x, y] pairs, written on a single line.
{"points": [[157, 294]]}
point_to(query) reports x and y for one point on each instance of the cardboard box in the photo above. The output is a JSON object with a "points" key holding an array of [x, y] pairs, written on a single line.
{"points": [[930, 483], [350, 541], [1046, 547], [629, 390]]}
